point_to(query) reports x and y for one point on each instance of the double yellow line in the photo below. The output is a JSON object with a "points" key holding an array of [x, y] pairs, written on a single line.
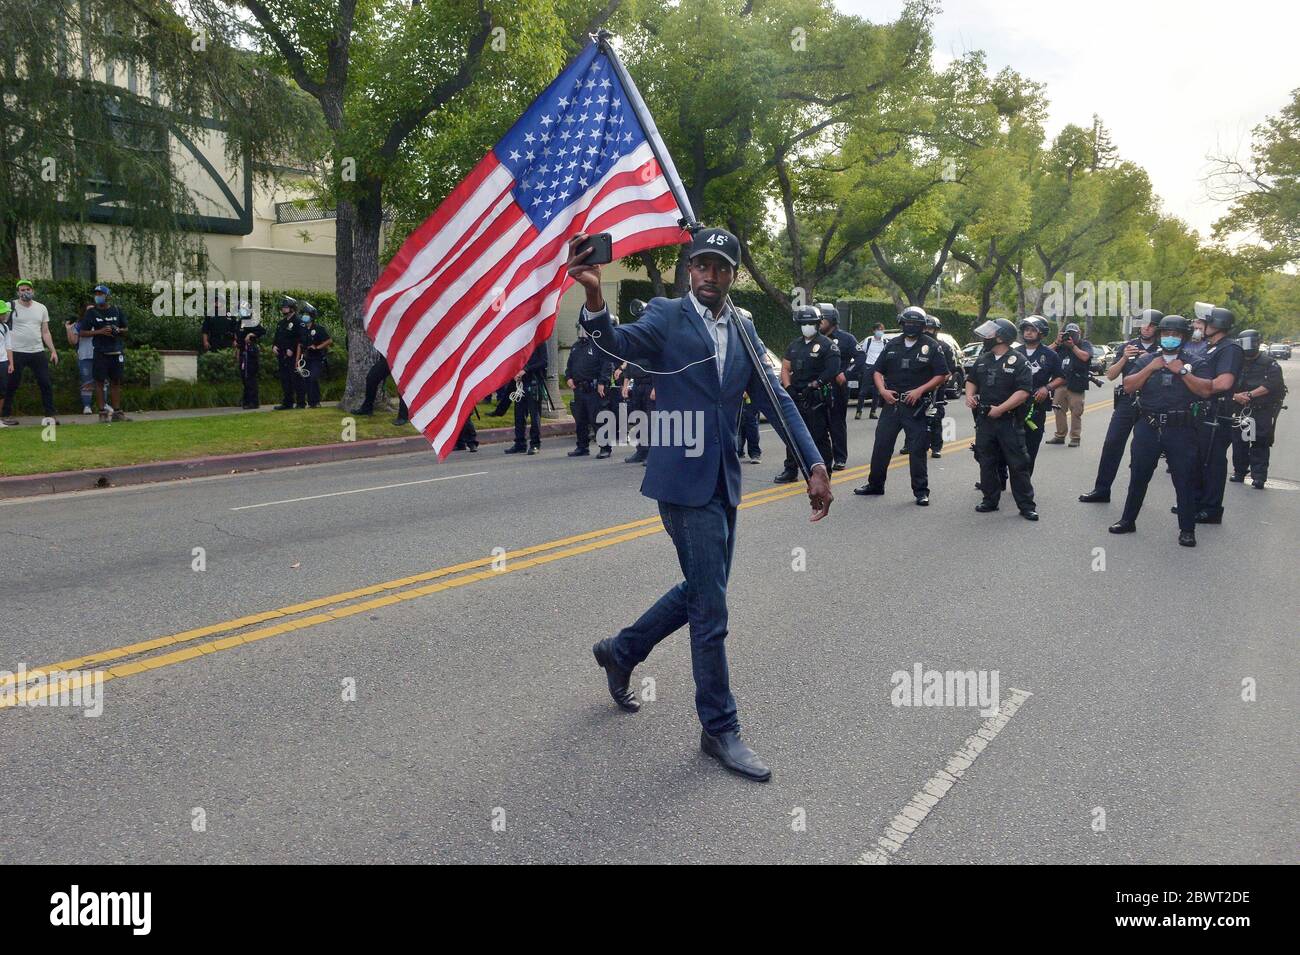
{"points": [[68, 675]]}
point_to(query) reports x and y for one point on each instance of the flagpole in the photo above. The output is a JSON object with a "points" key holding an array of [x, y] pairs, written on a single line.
{"points": [[647, 122], [689, 223]]}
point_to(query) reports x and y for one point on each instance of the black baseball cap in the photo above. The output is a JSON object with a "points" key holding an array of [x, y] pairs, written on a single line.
{"points": [[719, 242]]}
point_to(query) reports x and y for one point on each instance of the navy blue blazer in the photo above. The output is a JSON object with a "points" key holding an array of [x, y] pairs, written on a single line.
{"points": [[669, 335]]}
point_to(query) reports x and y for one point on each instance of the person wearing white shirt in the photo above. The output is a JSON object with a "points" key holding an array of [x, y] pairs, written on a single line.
{"points": [[29, 336], [871, 349]]}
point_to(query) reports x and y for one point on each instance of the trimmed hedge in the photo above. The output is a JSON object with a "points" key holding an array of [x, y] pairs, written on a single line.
{"points": [[65, 298]]}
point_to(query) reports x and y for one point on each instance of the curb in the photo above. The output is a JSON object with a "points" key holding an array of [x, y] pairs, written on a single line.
{"points": [[59, 482]]}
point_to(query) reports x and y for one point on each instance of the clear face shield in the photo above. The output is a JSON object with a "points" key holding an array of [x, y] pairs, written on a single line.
{"points": [[986, 331], [1250, 343]]}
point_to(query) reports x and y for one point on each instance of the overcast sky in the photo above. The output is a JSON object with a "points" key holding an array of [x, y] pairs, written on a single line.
{"points": [[1173, 81]]}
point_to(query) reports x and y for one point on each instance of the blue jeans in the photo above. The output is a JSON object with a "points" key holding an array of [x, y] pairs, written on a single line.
{"points": [[705, 538], [86, 369]]}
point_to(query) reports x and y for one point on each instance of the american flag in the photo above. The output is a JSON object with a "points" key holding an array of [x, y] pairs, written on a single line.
{"points": [[471, 292]]}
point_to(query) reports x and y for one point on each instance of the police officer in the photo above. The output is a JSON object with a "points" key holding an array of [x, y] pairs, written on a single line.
{"points": [[1076, 367], [284, 343], [1166, 422], [247, 336], [1259, 401], [531, 380], [1124, 416], [1214, 381], [1045, 364], [747, 433], [839, 406], [313, 344], [588, 373], [808, 371], [998, 387], [908, 370]]}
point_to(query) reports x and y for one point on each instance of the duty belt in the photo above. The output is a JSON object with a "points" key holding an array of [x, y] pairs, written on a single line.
{"points": [[1171, 419], [1122, 396]]}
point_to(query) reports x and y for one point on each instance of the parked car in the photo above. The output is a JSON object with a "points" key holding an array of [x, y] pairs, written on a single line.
{"points": [[1101, 356], [1280, 351]]}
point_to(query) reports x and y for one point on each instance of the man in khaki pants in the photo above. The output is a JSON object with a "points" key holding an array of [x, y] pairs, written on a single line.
{"points": [[1076, 362]]}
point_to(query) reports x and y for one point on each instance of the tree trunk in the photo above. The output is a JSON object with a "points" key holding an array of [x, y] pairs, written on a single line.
{"points": [[356, 270], [652, 270]]}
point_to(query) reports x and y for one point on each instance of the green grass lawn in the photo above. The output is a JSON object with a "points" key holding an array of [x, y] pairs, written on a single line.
{"points": [[80, 446]]}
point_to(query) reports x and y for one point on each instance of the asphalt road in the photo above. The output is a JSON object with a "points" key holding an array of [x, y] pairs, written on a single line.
{"points": [[481, 729]]}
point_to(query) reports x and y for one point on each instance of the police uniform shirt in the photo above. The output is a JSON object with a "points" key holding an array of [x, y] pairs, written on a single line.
{"points": [[1220, 359], [1165, 390], [1262, 370], [286, 333], [1075, 370], [314, 334], [998, 377], [220, 329], [586, 363], [812, 359], [905, 367], [97, 318], [848, 346], [1044, 365], [1130, 367]]}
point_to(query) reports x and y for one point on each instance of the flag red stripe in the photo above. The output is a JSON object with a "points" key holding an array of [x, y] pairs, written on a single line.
{"points": [[550, 256], [431, 226], [408, 369], [508, 368], [455, 365]]}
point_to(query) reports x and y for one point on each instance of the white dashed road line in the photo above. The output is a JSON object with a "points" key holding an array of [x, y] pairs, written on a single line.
{"points": [[902, 826], [359, 490]]}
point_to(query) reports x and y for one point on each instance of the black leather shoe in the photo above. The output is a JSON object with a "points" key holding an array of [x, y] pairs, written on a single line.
{"points": [[1122, 527], [534, 449], [1205, 517], [734, 755], [755, 459], [636, 458], [579, 453], [1029, 515], [1174, 509], [868, 489], [838, 466], [472, 448], [923, 500], [1258, 484], [603, 453], [785, 477], [363, 410], [516, 449], [1095, 497], [1187, 538], [858, 416], [984, 507], [1238, 479], [283, 408], [401, 422], [936, 454], [873, 416], [618, 679]]}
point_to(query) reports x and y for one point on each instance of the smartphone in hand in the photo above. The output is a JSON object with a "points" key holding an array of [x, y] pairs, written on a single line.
{"points": [[602, 246]]}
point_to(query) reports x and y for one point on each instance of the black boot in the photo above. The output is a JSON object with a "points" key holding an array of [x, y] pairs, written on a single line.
{"points": [[618, 679]]}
